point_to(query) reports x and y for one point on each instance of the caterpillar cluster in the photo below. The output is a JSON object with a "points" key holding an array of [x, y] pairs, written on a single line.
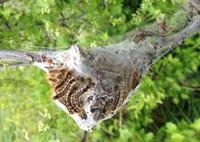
{"points": [[69, 88]]}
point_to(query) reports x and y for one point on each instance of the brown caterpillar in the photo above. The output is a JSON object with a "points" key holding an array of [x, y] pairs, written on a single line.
{"points": [[68, 88]]}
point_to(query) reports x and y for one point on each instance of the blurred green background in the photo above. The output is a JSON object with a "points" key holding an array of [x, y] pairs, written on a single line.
{"points": [[166, 107]]}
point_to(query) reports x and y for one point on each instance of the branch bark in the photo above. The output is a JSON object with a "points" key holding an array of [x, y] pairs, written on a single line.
{"points": [[164, 45], [185, 25]]}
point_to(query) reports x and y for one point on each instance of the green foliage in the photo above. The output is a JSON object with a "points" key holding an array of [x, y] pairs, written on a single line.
{"points": [[164, 108]]}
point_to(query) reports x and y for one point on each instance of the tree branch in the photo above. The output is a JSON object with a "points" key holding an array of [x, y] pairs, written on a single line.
{"points": [[164, 45], [19, 56], [184, 25]]}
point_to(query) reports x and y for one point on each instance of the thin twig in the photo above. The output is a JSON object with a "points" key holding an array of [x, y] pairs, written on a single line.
{"points": [[108, 132], [84, 137], [120, 118]]}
